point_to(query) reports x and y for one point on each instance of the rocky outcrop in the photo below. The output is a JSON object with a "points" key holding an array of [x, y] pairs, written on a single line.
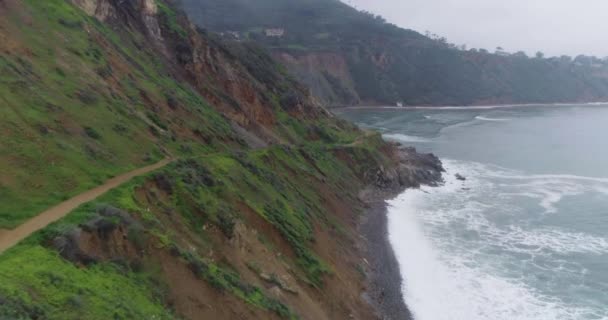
{"points": [[409, 170], [100, 9], [106, 237], [412, 170], [416, 169], [107, 9], [134, 12]]}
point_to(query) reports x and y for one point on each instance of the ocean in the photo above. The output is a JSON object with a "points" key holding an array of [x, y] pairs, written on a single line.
{"points": [[525, 236]]}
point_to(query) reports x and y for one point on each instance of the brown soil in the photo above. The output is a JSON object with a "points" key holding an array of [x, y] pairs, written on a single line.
{"points": [[9, 238], [193, 298], [264, 259]]}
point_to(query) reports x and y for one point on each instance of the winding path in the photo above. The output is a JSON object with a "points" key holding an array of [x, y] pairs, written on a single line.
{"points": [[9, 238]]}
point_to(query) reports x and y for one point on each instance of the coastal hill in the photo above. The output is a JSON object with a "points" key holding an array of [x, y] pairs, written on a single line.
{"points": [[348, 57], [150, 170]]}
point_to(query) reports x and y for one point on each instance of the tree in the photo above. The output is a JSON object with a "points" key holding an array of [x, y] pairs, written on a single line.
{"points": [[520, 54], [540, 55]]}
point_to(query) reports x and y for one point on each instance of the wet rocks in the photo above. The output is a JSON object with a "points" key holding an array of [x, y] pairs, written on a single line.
{"points": [[410, 170], [416, 169]]}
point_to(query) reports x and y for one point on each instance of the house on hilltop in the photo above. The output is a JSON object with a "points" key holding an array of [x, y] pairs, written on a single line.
{"points": [[232, 35], [502, 52], [275, 32]]}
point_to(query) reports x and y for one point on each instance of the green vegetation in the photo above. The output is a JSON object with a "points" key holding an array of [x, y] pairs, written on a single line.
{"points": [[86, 100], [69, 119], [210, 190], [277, 183], [170, 17], [38, 284], [222, 279], [387, 64], [87, 103]]}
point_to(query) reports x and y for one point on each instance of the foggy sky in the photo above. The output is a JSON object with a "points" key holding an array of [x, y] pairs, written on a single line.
{"points": [[554, 27]]}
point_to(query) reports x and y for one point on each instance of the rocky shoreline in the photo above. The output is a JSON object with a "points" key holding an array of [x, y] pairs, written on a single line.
{"points": [[383, 274]]}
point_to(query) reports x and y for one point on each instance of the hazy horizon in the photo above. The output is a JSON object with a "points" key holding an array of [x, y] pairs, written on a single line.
{"points": [[553, 27]]}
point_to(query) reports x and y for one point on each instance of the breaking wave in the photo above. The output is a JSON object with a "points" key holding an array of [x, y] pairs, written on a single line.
{"points": [[405, 138], [491, 119], [471, 250]]}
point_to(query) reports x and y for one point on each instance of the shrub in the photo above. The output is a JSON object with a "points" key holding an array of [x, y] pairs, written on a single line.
{"points": [[86, 96], [92, 133], [157, 121], [226, 222]]}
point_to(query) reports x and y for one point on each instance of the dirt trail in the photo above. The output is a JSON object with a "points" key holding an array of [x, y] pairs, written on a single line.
{"points": [[9, 238]]}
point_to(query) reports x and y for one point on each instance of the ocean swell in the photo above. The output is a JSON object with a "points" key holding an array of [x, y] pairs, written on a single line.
{"points": [[468, 251]]}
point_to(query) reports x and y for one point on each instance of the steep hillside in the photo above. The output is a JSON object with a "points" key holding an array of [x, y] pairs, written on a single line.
{"points": [[254, 213], [77, 95], [351, 57]]}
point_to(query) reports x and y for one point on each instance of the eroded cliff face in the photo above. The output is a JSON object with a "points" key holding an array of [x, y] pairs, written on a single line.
{"points": [[251, 251], [256, 217], [108, 9], [211, 67], [326, 73]]}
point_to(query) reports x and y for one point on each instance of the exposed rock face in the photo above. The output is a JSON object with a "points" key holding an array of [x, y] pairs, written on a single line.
{"points": [[326, 73], [416, 169], [101, 9], [200, 58], [242, 82], [412, 169], [104, 9], [111, 10], [149, 11], [149, 7], [104, 237]]}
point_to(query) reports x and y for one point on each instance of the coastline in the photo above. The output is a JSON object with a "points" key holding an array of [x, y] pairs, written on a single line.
{"points": [[384, 279], [468, 107]]}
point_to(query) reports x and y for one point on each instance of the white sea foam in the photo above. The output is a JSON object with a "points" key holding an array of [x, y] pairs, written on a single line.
{"points": [[405, 138], [491, 119], [486, 107], [442, 286], [451, 248]]}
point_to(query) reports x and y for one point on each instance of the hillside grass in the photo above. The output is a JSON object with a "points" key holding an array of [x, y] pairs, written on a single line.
{"points": [[278, 183], [38, 284], [81, 103]]}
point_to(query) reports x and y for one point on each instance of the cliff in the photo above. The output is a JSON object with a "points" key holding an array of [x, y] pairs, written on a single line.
{"points": [[255, 215], [349, 57]]}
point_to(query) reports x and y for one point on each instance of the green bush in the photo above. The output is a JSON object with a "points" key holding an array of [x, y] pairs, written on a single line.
{"points": [[92, 133]]}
